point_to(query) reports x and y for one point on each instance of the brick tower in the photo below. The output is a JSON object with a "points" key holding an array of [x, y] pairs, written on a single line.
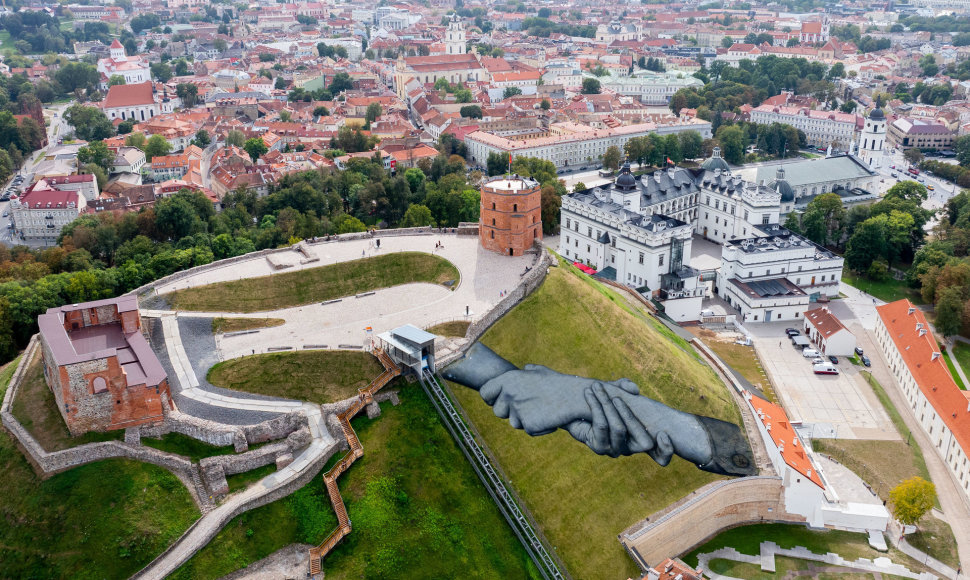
{"points": [[510, 215]]}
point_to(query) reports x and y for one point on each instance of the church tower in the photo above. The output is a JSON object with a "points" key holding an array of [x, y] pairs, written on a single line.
{"points": [[455, 36], [873, 138], [116, 51]]}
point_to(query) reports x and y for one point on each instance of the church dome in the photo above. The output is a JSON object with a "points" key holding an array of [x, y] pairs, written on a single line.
{"points": [[781, 185], [715, 161], [625, 181], [877, 114]]}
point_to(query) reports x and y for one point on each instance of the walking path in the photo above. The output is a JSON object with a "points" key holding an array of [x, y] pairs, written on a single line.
{"points": [[304, 466], [766, 560], [956, 364]]}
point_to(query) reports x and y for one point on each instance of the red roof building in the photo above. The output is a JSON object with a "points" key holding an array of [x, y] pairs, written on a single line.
{"points": [[915, 360]]}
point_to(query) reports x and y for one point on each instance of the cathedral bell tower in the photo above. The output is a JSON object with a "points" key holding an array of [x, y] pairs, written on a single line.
{"points": [[455, 36]]}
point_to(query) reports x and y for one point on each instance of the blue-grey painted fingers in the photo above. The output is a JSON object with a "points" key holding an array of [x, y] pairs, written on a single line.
{"points": [[638, 439], [663, 451], [599, 441], [618, 444], [627, 385]]}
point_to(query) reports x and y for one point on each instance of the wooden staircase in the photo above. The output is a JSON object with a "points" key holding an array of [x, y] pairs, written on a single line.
{"points": [[365, 396]]}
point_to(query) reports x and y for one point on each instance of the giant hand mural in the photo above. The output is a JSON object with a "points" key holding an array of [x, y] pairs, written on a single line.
{"points": [[612, 418]]}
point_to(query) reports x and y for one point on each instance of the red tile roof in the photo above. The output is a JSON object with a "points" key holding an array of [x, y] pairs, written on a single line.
{"points": [[786, 440], [129, 95], [931, 375], [824, 321]]}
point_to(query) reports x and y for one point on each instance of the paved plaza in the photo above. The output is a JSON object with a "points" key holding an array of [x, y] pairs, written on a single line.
{"points": [[485, 277], [832, 406]]}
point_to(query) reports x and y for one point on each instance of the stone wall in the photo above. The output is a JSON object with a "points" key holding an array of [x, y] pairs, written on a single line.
{"points": [[704, 514], [215, 469], [221, 435]]}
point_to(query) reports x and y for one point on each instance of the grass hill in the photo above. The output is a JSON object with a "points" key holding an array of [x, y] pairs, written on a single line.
{"points": [[581, 500], [299, 287]]}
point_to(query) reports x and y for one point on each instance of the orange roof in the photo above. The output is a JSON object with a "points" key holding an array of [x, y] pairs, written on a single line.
{"points": [[824, 321], [932, 377], [527, 75], [129, 95], [786, 440]]}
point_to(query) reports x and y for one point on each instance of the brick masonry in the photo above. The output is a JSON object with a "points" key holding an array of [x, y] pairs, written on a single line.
{"points": [[510, 217]]}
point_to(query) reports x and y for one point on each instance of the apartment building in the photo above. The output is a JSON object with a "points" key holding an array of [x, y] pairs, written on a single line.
{"points": [[821, 128]]}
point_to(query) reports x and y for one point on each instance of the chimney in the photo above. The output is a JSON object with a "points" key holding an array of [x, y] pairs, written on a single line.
{"points": [[656, 176], [670, 171], [935, 356]]}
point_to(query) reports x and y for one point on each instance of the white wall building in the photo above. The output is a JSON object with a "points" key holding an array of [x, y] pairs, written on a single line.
{"points": [[134, 69], [455, 36], [776, 274], [570, 144], [872, 140], [939, 405], [43, 210], [828, 334], [650, 88], [821, 128]]}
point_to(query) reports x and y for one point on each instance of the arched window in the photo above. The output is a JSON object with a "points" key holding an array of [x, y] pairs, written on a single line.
{"points": [[493, 221], [515, 207], [99, 385], [493, 234], [493, 205]]}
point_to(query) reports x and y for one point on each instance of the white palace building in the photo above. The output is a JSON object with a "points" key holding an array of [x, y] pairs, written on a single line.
{"points": [[638, 231]]}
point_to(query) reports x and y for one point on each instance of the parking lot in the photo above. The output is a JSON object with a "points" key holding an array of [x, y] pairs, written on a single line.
{"points": [[828, 406]]}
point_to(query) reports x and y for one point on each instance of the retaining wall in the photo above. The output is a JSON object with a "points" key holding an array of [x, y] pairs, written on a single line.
{"points": [[221, 435], [215, 469], [704, 514]]}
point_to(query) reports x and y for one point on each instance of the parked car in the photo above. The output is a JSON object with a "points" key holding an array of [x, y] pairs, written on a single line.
{"points": [[866, 361], [6, 213], [792, 332], [825, 369], [818, 360], [894, 174], [858, 350], [930, 187], [834, 359], [810, 353]]}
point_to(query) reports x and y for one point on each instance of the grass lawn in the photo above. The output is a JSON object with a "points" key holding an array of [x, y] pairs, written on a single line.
{"points": [[785, 565], [740, 358], [36, 410], [961, 355], [186, 446], [897, 420], [888, 290], [221, 325], [581, 500], [5, 42], [456, 328], [882, 464], [316, 284], [849, 545], [102, 520], [319, 376], [242, 480], [936, 539], [953, 371], [418, 511], [6, 373]]}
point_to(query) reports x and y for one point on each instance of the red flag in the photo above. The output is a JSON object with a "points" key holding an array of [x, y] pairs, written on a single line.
{"points": [[669, 161], [510, 159]]}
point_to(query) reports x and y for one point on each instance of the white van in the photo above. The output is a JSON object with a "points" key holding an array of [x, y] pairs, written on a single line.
{"points": [[826, 368], [810, 353]]}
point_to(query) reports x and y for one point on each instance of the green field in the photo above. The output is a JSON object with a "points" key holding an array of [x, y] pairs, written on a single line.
{"points": [[300, 287], [882, 464], [418, 511], [887, 290], [953, 371], [221, 325], [791, 568], [319, 376], [582, 500], [456, 328], [849, 545], [102, 520], [961, 356]]}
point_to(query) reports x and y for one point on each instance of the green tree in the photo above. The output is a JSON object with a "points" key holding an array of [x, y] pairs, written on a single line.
{"points": [[97, 171], [341, 82], [374, 110], [471, 112], [235, 138], [77, 76], [156, 146], [116, 80], [188, 93], [732, 141], [913, 156], [591, 86], [511, 92], [90, 123], [321, 111], [611, 159], [256, 148], [136, 140], [950, 303], [97, 153], [867, 244], [912, 499], [417, 216], [202, 139], [545, 105], [126, 126], [286, 116], [161, 71], [347, 224]]}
